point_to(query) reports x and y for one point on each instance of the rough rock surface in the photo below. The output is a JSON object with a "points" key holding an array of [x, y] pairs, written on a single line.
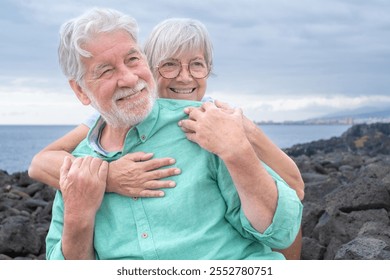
{"points": [[347, 201], [25, 214], [346, 205]]}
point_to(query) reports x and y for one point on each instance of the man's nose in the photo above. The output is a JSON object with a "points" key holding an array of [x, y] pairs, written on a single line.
{"points": [[127, 77]]}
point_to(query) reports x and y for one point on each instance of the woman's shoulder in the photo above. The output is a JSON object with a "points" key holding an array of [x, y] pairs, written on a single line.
{"points": [[177, 104], [91, 119]]}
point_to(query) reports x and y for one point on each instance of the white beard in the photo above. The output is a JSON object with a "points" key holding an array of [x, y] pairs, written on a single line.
{"points": [[131, 114]]}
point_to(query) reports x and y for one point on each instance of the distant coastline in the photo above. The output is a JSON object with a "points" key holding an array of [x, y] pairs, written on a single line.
{"points": [[348, 122], [325, 121], [297, 123], [358, 116]]}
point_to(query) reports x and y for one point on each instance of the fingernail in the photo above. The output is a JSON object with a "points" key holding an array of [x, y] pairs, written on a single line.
{"points": [[177, 171]]}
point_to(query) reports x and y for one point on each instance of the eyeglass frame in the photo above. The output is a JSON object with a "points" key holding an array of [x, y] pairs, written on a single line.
{"points": [[181, 68]]}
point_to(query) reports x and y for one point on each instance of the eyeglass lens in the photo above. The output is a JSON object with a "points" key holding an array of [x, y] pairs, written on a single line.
{"points": [[171, 69]]}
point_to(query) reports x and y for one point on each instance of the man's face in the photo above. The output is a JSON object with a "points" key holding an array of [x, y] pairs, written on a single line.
{"points": [[118, 81]]}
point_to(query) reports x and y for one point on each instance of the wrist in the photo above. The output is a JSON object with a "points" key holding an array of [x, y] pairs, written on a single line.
{"points": [[238, 150], [250, 128], [80, 221], [259, 141], [110, 177]]}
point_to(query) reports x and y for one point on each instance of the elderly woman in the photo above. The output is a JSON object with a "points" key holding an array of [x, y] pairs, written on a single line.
{"points": [[179, 52]]}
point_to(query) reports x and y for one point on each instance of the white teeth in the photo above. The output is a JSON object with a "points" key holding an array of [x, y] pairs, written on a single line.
{"points": [[127, 96], [133, 91], [183, 91]]}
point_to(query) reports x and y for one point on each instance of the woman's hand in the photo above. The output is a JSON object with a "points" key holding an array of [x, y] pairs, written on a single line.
{"points": [[217, 130], [138, 175]]}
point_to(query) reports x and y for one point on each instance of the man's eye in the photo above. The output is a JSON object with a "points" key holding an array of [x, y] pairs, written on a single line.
{"points": [[105, 72], [133, 60]]}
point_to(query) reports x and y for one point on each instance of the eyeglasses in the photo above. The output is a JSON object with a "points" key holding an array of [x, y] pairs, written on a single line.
{"points": [[170, 69]]}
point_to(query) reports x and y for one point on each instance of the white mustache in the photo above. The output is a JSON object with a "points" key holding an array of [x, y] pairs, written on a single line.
{"points": [[130, 91]]}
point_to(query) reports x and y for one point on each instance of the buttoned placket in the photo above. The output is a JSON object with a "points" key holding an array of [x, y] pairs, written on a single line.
{"points": [[144, 233]]}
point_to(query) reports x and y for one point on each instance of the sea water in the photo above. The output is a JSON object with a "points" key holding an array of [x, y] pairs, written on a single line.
{"points": [[19, 143]]}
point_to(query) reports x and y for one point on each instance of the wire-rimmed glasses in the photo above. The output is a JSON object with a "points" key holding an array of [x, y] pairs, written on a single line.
{"points": [[171, 68]]}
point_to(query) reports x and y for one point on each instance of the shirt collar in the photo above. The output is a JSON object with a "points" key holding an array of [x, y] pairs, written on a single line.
{"points": [[143, 129]]}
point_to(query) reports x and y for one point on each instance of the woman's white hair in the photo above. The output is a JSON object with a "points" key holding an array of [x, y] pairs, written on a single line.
{"points": [[78, 31], [175, 36]]}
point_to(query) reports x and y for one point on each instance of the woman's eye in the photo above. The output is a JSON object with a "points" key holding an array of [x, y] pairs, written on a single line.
{"points": [[167, 64], [170, 64], [198, 64]]}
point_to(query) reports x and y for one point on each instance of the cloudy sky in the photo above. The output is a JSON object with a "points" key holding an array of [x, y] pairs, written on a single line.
{"points": [[278, 60]]}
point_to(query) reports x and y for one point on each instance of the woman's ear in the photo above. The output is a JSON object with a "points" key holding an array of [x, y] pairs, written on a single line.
{"points": [[80, 93]]}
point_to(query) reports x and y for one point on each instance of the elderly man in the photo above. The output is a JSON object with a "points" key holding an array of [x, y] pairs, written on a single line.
{"points": [[226, 204]]}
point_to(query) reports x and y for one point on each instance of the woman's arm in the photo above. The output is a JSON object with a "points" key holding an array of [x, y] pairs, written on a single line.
{"points": [[223, 134], [271, 154], [45, 166], [263, 149], [274, 157], [135, 174]]}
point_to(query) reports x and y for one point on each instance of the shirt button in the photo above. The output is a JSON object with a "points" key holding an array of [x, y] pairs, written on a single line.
{"points": [[144, 235], [143, 136], [135, 198]]}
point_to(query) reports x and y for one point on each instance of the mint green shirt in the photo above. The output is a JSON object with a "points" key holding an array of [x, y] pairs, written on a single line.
{"points": [[201, 218]]}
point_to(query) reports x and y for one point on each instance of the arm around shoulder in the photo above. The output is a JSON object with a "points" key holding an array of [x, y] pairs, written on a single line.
{"points": [[45, 165], [274, 157]]}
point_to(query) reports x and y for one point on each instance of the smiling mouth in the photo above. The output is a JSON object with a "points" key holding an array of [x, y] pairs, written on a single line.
{"points": [[182, 91], [124, 98], [128, 96]]}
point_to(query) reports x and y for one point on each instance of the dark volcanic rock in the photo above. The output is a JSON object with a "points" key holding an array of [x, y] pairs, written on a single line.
{"points": [[25, 215], [347, 194], [346, 205]]}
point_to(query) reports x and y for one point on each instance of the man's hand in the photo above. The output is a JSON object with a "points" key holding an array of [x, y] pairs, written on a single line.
{"points": [[138, 175], [82, 183]]}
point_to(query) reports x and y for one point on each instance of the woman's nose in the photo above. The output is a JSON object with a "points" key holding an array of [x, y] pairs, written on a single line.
{"points": [[184, 74]]}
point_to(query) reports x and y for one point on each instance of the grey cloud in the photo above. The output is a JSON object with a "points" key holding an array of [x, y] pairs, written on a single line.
{"points": [[281, 46]]}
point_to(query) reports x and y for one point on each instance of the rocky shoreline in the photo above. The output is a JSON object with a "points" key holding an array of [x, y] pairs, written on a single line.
{"points": [[346, 205], [347, 201]]}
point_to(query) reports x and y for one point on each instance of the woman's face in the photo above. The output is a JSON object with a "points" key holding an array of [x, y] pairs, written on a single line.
{"points": [[184, 85]]}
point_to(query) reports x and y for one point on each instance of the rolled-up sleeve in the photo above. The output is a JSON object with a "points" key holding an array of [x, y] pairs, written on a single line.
{"points": [[286, 221]]}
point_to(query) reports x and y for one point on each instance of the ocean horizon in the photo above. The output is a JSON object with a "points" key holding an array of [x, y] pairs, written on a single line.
{"points": [[21, 142]]}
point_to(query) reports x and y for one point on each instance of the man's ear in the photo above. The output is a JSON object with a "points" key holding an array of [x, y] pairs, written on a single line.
{"points": [[78, 90]]}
